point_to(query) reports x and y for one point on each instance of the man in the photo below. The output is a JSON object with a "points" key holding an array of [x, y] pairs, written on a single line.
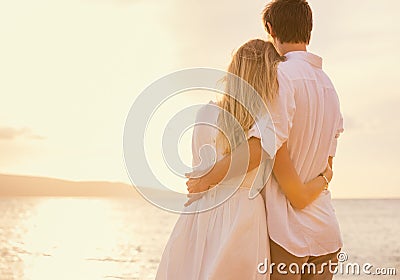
{"points": [[307, 122]]}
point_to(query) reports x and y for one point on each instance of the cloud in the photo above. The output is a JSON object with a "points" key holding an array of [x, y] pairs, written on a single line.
{"points": [[11, 133]]}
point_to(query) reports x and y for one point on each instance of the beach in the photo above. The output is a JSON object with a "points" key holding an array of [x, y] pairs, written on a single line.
{"points": [[123, 238]]}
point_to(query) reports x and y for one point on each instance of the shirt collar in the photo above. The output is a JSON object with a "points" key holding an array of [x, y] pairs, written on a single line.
{"points": [[306, 56]]}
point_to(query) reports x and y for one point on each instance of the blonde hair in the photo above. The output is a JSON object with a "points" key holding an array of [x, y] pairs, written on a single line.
{"points": [[255, 63]]}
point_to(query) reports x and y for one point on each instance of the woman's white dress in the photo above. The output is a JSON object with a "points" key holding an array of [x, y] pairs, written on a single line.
{"points": [[226, 242]]}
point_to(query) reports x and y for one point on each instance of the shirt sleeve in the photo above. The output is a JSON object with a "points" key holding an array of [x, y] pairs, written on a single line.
{"points": [[273, 129], [339, 130]]}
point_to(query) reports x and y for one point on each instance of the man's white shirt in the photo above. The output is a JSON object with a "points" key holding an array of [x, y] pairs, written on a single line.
{"points": [[306, 115]]}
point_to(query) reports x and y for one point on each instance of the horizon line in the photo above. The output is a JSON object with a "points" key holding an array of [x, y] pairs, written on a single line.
{"points": [[153, 188]]}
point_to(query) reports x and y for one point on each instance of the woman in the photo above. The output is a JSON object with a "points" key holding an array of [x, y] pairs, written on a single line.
{"points": [[230, 239]]}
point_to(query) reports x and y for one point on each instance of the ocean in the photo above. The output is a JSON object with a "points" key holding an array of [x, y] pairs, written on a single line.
{"points": [[43, 238]]}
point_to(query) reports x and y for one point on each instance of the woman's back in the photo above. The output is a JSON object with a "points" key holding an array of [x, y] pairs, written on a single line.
{"points": [[205, 151], [205, 242]]}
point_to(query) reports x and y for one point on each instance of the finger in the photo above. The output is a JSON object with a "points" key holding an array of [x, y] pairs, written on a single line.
{"points": [[188, 183], [192, 199], [189, 202], [192, 182], [193, 191]]}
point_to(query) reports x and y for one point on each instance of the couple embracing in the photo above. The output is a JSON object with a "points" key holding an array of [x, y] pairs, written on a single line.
{"points": [[289, 230]]}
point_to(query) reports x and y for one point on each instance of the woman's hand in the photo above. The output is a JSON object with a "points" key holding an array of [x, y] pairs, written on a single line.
{"points": [[328, 173], [196, 182], [197, 185], [192, 197]]}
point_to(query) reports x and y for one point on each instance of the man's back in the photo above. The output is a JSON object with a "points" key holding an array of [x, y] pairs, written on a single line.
{"points": [[317, 117], [307, 116]]}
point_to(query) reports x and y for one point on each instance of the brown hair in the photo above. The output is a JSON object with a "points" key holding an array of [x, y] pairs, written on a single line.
{"points": [[291, 20], [254, 63]]}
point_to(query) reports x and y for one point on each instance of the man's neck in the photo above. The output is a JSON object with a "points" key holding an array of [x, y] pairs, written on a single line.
{"points": [[284, 48]]}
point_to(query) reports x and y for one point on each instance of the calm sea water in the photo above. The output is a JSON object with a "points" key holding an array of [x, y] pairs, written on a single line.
{"points": [[85, 239]]}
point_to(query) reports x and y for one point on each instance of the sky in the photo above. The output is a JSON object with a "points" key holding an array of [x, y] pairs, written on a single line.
{"points": [[70, 71]]}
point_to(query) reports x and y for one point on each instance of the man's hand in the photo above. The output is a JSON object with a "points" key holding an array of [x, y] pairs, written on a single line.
{"points": [[328, 172]]}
